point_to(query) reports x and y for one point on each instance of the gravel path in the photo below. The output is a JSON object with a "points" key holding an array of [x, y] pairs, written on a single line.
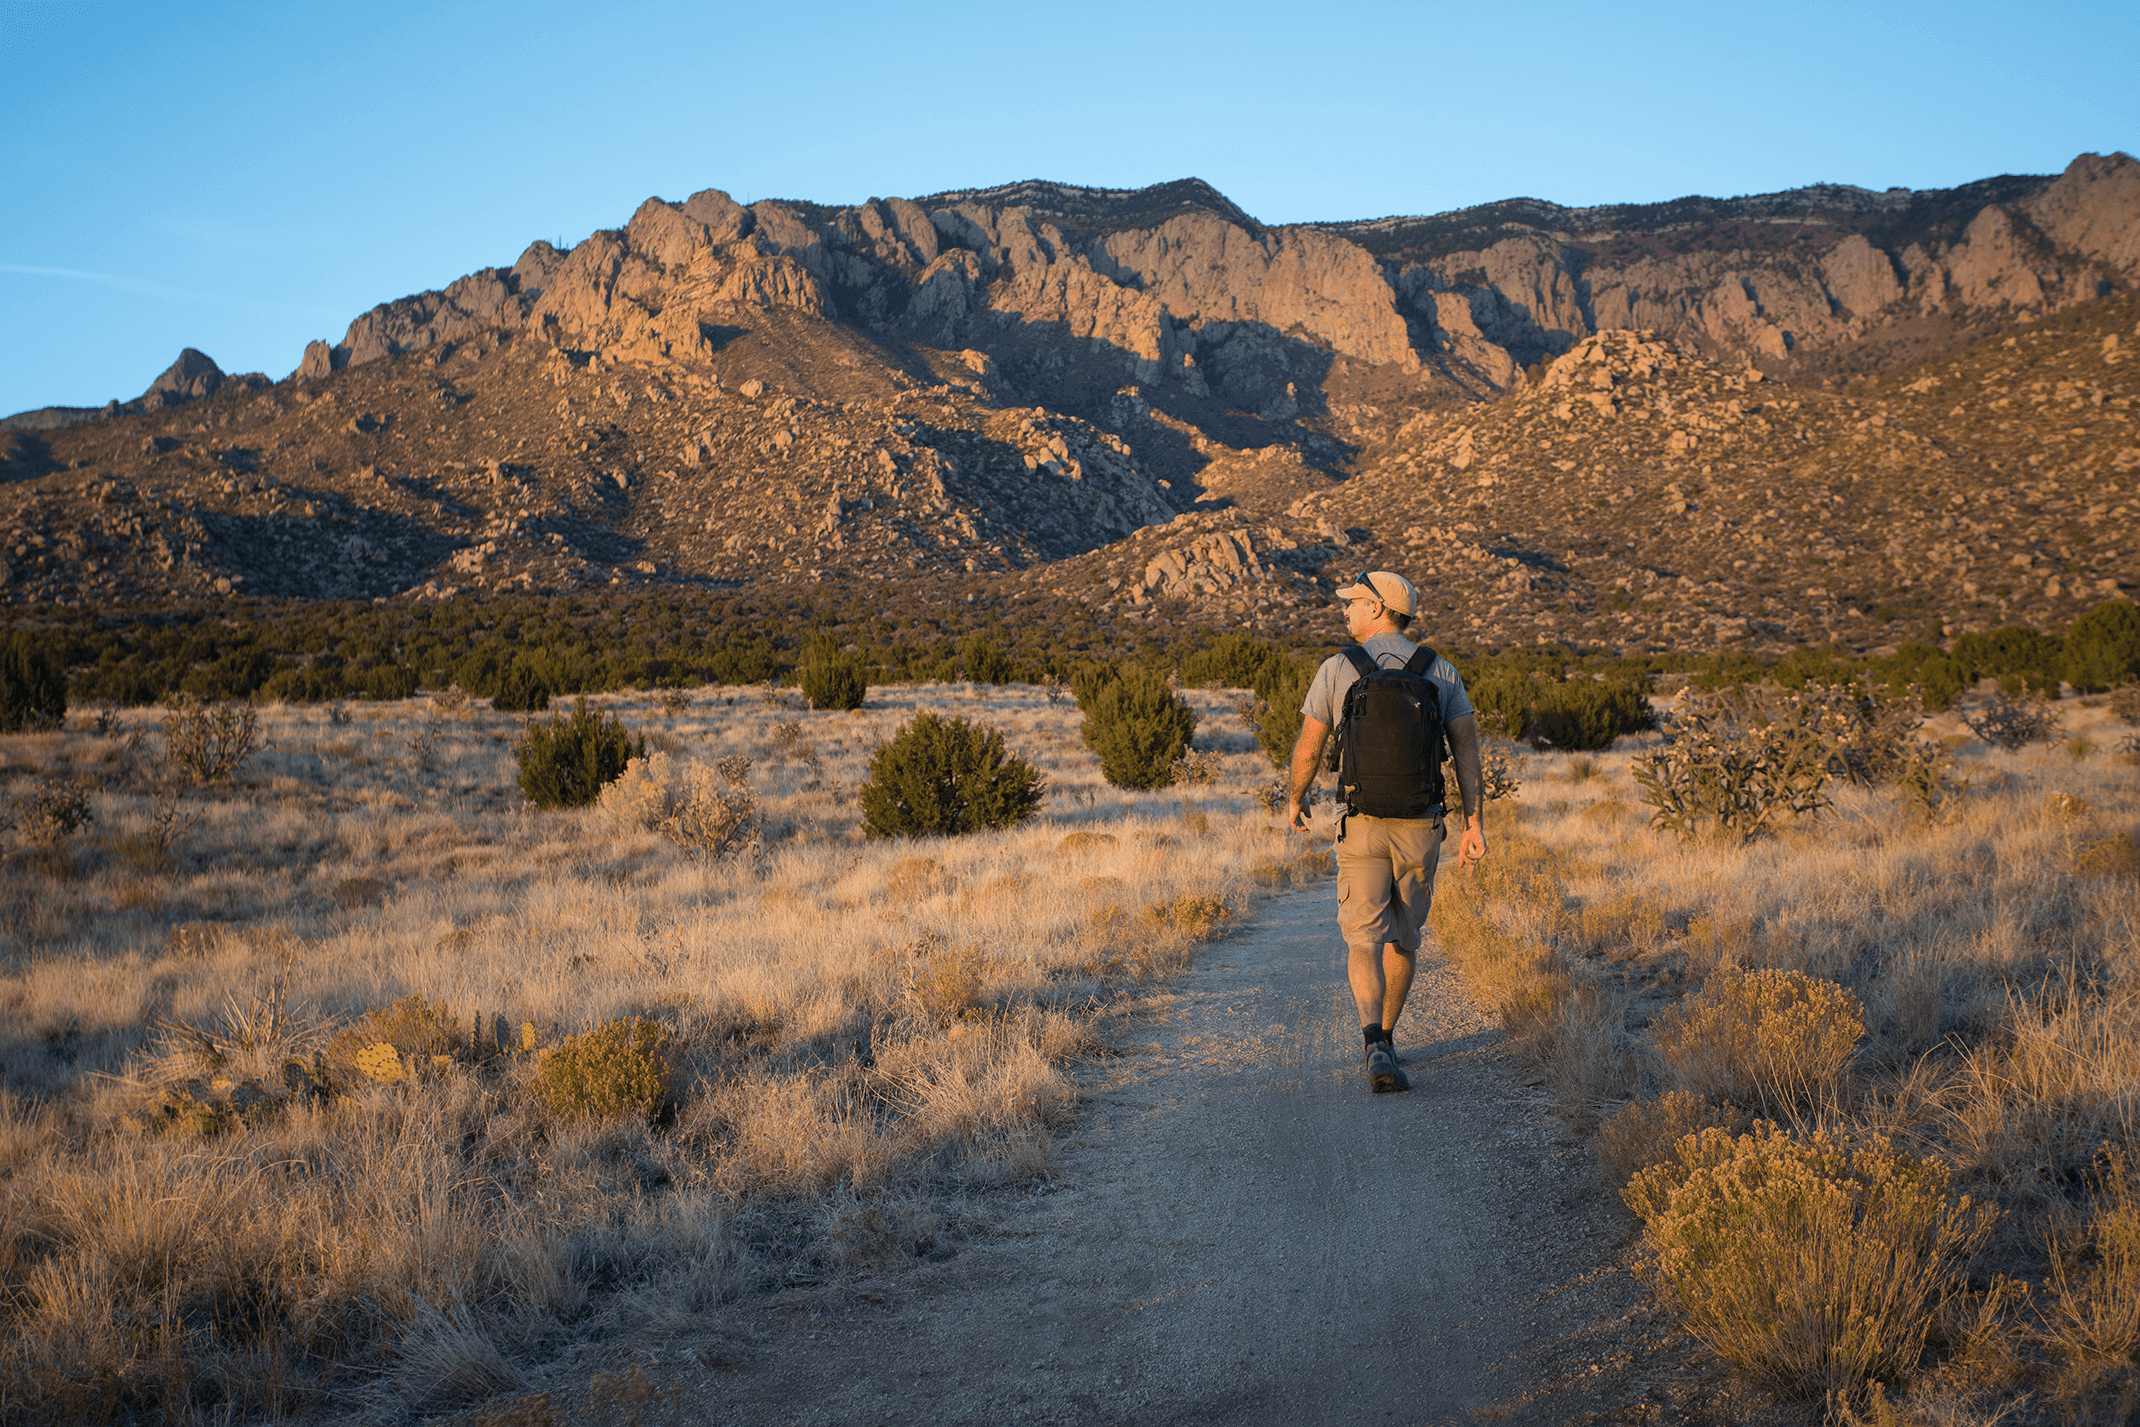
{"points": [[1240, 1232]]}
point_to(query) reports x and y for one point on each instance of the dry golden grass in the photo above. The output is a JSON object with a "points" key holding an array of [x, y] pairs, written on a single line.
{"points": [[1966, 986], [274, 1134]]}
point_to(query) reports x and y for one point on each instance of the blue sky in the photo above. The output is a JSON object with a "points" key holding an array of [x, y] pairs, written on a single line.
{"points": [[243, 178]]}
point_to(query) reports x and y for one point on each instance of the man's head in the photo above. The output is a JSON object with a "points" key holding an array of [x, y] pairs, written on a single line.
{"points": [[1378, 602]]}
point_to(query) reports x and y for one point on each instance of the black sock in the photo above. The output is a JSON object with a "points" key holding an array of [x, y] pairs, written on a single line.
{"points": [[1371, 1034]]}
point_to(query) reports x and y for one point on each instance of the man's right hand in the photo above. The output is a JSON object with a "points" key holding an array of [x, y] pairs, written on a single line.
{"points": [[1296, 816]]}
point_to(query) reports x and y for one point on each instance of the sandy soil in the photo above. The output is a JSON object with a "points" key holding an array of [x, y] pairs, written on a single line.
{"points": [[1240, 1232]]}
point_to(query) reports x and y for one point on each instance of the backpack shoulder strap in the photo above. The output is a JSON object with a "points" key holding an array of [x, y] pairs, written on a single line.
{"points": [[1361, 660], [1421, 661]]}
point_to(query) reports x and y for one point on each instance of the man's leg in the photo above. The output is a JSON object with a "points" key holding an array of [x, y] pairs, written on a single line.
{"points": [[1397, 968], [1366, 886], [1413, 851], [1381, 979], [1366, 880]]}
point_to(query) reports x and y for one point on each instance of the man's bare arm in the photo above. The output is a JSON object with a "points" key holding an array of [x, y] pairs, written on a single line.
{"points": [[1307, 758], [1464, 747]]}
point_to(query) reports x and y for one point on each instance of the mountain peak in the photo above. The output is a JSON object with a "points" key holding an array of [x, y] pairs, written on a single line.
{"points": [[1100, 210]]}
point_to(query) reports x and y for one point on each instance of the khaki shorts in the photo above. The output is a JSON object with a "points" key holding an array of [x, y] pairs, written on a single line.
{"points": [[1386, 880]]}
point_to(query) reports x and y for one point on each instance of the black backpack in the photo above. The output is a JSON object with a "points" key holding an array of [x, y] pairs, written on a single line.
{"points": [[1390, 739]]}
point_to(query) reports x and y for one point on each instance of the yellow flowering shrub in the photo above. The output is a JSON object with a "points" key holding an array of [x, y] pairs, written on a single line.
{"points": [[1814, 1265]]}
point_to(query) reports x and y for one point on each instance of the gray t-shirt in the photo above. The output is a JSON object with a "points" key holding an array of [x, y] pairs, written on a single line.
{"points": [[1326, 695]]}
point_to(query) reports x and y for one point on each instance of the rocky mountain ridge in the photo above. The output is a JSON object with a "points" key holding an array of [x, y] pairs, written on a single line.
{"points": [[1144, 400], [193, 376], [1176, 283]]}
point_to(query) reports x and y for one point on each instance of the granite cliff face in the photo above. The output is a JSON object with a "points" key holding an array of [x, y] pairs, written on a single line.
{"points": [[1817, 281], [1077, 292]]}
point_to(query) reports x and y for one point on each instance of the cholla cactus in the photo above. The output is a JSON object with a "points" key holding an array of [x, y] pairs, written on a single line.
{"points": [[1925, 781], [51, 812], [1737, 760], [1716, 771], [710, 821], [209, 741], [2009, 723], [1195, 766]]}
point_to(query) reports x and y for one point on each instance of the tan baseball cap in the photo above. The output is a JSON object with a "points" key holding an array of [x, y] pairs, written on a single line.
{"points": [[1395, 591]]}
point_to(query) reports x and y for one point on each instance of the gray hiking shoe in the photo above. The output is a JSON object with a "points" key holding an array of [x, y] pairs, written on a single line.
{"points": [[1382, 1071]]}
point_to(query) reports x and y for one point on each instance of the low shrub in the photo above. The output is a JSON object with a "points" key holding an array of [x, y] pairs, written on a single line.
{"points": [[2115, 856], [1580, 714], [238, 674], [708, 812], [1585, 714], [1940, 676], [1501, 703], [713, 818], [388, 682], [1279, 719], [1195, 768], [520, 690], [2125, 702], [2020, 658], [33, 685], [567, 762], [1776, 1041], [617, 1071], [1925, 782], [302, 686], [51, 812], [1817, 1268], [1497, 777], [1138, 727], [2102, 647], [832, 680], [1716, 772], [1234, 661], [1197, 918], [395, 1043], [982, 662], [940, 775]]}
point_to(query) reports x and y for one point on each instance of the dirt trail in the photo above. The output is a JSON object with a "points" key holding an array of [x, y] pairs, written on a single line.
{"points": [[1241, 1233]]}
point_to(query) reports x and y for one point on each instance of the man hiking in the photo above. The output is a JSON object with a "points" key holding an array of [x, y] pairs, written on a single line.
{"points": [[1391, 728]]}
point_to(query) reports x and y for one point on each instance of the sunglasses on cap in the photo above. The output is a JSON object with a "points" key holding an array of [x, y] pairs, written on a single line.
{"points": [[1369, 585]]}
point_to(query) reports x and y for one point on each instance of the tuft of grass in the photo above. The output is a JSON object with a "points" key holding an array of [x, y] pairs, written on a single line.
{"points": [[2092, 1320], [2115, 856], [947, 981]]}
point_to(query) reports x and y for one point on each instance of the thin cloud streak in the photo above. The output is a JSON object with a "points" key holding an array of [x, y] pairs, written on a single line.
{"points": [[144, 288]]}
